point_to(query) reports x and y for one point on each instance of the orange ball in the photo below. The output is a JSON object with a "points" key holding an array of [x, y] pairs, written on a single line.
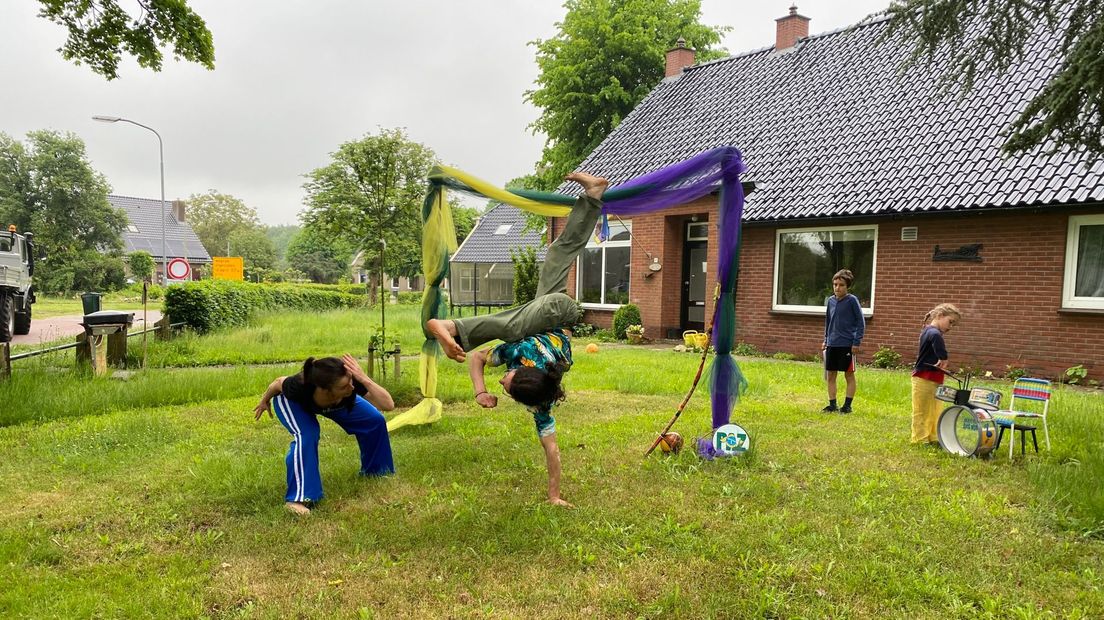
{"points": [[592, 348], [671, 442]]}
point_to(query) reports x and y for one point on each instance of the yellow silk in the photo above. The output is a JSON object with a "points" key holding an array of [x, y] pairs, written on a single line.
{"points": [[546, 209]]}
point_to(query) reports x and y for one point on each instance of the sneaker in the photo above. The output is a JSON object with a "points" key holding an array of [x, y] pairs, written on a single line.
{"points": [[845, 409], [298, 509], [829, 409]]}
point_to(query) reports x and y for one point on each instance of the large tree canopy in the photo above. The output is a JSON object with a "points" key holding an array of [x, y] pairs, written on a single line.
{"points": [[48, 186], [318, 255], [991, 35], [607, 56], [373, 191], [101, 32], [216, 217]]}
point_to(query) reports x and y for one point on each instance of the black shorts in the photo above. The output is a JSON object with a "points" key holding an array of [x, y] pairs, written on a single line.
{"points": [[839, 358]]}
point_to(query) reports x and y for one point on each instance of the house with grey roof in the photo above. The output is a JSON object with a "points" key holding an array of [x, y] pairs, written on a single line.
{"points": [[481, 272], [859, 164], [143, 231]]}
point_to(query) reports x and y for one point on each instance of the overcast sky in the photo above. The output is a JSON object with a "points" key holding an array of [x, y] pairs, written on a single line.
{"points": [[293, 80]]}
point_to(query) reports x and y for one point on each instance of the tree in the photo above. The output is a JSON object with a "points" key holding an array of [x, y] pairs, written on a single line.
{"points": [[48, 187], [255, 248], [100, 32], [141, 265], [463, 219], [373, 191], [216, 217], [991, 35], [607, 56], [526, 274], [319, 256], [281, 236]]}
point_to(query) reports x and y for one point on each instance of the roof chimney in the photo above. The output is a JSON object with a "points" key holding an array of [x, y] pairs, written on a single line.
{"points": [[790, 28], [178, 208], [678, 57]]}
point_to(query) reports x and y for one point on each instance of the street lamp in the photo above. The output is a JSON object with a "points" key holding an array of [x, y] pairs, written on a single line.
{"points": [[161, 153]]}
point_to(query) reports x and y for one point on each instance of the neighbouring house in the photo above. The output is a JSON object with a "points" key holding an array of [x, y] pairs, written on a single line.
{"points": [[481, 272], [144, 231], [859, 164], [359, 273]]}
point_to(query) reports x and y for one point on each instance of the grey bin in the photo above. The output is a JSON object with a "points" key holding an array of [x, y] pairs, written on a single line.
{"points": [[91, 302]]}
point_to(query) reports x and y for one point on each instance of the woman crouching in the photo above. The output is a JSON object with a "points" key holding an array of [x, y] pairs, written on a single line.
{"points": [[339, 390]]}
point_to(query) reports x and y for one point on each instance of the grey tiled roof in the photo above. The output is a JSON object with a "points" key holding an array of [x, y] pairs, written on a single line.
{"points": [[833, 127], [483, 245], [145, 214]]}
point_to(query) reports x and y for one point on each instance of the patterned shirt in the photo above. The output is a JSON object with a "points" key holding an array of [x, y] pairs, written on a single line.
{"points": [[535, 352]]}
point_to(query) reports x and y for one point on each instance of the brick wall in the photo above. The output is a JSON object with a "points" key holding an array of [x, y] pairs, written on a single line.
{"points": [[1011, 300]]}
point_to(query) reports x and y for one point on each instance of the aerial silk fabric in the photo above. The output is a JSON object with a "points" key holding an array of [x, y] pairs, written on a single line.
{"points": [[678, 184]]}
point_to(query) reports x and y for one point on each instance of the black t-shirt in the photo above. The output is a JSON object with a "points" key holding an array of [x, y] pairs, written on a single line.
{"points": [[303, 394]]}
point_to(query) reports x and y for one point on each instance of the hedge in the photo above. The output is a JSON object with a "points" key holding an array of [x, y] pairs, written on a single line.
{"points": [[213, 304]]}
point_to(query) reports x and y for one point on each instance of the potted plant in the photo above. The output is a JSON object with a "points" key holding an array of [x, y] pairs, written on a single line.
{"points": [[635, 334]]}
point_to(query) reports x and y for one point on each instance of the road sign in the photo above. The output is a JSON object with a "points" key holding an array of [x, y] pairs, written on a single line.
{"points": [[228, 268], [178, 270]]}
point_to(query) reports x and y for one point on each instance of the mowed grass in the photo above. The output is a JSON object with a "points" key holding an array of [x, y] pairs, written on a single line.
{"points": [[160, 505]]}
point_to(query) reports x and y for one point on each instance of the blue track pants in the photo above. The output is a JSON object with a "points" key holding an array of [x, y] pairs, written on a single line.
{"points": [[304, 481]]}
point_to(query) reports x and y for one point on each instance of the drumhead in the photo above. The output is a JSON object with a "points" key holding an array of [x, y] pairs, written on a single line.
{"points": [[959, 431]]}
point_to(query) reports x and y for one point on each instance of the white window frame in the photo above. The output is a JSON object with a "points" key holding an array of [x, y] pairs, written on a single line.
{"points": [[594, 244], [1069, 281], [821, 309], [468, 279]]}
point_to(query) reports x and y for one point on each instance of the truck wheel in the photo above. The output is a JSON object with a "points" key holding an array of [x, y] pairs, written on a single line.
{"points": [[23, 322], [7, 316]]}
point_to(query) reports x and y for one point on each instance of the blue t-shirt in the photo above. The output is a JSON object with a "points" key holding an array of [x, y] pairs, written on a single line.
{"points": [[538, 352]]}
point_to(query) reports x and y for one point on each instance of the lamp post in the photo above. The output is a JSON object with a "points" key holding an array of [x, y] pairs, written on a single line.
{"points": [[161, 155]]}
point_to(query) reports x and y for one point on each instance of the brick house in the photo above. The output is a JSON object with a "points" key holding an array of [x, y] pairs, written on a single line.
{"points": [[144, 232], [859, 165], [481, 272]]}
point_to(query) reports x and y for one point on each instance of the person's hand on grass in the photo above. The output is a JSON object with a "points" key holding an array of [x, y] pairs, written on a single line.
{"points": [[487, 400], [263, 406]]}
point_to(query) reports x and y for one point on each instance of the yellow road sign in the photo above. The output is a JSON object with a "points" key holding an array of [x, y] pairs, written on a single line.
{"points": [[227, 268]]}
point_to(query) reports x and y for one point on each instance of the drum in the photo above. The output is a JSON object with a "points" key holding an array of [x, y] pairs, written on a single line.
{"points": [[967, 432], [945, 393], [984, 398]]}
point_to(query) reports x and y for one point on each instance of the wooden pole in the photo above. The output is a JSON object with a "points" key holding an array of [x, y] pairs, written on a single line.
{"points": [[5, 360]]}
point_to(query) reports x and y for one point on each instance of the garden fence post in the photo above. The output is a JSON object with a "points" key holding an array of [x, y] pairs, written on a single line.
{"points": [[117, 348], [5, 360]]}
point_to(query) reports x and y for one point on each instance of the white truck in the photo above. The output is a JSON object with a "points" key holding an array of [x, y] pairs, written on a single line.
{"points": [[17, 261]]}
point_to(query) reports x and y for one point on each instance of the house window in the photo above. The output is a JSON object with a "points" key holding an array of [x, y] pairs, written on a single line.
{"points": [[467, 280], [698, 231], [1084, 278], [503, 229], [132, 228], [807, 258], [602, 277]]}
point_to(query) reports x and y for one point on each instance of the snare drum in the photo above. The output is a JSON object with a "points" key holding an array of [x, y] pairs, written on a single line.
{"points": [[945, 393], [967, 432], [984, 398]]}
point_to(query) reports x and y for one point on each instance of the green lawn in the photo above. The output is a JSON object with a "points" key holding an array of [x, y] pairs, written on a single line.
{"points": [[159, 496], [51, 306]]}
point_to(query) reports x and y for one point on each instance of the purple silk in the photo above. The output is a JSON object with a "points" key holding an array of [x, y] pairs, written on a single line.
{"points": [[680, 184]]}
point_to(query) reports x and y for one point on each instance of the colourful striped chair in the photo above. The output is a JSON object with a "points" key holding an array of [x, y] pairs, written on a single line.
{"points": [[1029, 389]]}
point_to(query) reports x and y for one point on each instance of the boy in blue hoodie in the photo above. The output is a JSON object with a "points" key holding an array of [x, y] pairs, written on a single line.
{"points": [[843, 332]]}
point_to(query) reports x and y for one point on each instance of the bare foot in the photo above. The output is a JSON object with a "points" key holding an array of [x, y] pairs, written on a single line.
{"points": [[592, 186], [440, 331], [560, 502], [298, 509]]}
